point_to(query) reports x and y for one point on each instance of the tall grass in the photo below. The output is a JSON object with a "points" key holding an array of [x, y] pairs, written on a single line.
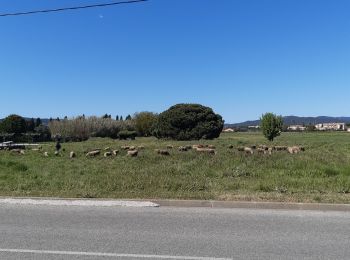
{"points": [[320, 174], [81, 128]]}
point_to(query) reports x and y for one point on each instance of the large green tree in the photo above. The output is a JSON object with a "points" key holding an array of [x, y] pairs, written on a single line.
{"points": [[189, 122], [13, 124], [271, 125], [145, 122]]}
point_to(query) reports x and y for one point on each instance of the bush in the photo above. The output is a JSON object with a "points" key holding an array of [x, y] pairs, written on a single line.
{"points": [[13, 124], [81, 128], [189, 122], [145, 122], [271, 125], [125, 135]]}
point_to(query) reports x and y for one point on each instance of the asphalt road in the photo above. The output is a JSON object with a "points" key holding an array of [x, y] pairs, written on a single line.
{"points": [[71, 232]]}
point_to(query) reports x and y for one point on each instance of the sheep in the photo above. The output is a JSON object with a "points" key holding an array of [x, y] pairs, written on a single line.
{"points": [[240, 149], [72, 155], [248, 150], [57, 153], [295, 149], [195, 146], [132, 153], [211, 146], [263, 147], [206, 150], [169, 146], [162, 152], [107, 154], [46, 154], [18, 151], [93, 153], [261, 150], [280, 148], [115, 152], [270, 150], [131, 148], [183, 149], [125, 147], [94, 149]]}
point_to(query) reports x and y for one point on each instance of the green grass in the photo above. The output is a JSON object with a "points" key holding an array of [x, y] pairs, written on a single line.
{"points": [[320, 174]]}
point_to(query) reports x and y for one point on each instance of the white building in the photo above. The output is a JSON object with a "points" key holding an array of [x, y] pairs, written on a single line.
{"points": [[331, 126], [296, 128], [254, 127]]}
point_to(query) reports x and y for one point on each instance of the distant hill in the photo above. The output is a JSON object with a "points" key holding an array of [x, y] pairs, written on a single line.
{"points": [[297, 120]]}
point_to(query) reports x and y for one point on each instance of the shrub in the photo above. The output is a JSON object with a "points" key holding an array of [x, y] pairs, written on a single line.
{"points": [[189, 122], [271, 125], [145, 122], [81, 128], [13, 124]]}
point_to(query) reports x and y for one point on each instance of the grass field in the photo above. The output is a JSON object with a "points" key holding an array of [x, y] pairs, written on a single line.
{"points": [[320, 174]]}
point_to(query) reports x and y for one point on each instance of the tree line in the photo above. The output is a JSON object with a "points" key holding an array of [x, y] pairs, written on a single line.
{"points": [[179, 122]]}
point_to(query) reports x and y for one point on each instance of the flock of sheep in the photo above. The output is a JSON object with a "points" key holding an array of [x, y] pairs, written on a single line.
{"points": [[133, 151], [264, 149]]}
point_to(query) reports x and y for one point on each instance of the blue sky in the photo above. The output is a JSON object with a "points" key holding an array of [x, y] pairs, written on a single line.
{"points": [[241, 57]]}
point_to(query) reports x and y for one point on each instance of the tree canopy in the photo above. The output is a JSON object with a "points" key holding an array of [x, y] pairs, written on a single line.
{"points": [[189, 122]]}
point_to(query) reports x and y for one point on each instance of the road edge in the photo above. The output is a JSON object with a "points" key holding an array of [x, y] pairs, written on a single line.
{"points": [[174, 203], [252, 205]]}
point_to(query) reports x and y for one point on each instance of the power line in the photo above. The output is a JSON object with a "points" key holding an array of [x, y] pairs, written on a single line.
{"points": [[72, 8]]}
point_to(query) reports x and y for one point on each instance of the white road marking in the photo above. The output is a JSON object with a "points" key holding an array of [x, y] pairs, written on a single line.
{"points": [[91, 203], [49, 252]]}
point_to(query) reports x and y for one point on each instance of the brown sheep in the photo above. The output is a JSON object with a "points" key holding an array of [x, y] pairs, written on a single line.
{"points": [[280, 148], [162, 152], [125, 147], [206, 150], [132, 153], [93, 153]]}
